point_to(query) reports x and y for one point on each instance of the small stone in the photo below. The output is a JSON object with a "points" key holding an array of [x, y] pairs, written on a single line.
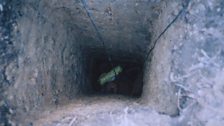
{"points": [[11, 111], [218, 9], [6, 37], [200, 93], [1, 7]]}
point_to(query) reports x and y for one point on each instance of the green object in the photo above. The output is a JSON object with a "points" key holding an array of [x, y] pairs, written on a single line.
{"points": [[110, 76]]}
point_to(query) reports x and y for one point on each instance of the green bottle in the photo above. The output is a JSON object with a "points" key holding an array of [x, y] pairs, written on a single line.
{"points": [[110, 76]]}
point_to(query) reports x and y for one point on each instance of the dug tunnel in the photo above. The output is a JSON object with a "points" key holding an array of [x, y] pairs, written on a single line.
{"points": [[59, 49]]}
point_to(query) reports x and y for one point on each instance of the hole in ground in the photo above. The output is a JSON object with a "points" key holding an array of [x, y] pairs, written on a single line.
{"points": [[129, 82]]}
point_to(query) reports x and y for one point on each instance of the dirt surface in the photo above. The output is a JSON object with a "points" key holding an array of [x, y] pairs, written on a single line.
{"points": [[101, 111]]}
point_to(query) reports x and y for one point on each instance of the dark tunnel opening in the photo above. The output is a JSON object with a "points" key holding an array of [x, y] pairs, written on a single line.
{"points": [[128, 82]]}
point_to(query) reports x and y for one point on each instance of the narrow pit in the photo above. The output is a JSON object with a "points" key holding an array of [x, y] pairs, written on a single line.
{"points": [[61, 56]]}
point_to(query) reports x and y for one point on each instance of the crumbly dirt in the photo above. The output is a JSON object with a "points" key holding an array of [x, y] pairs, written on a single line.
{"points": [[101, 111]]}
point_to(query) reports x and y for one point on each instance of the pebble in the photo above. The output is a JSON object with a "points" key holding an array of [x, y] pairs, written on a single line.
{"points": [[1, 7], [218, 9]]}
